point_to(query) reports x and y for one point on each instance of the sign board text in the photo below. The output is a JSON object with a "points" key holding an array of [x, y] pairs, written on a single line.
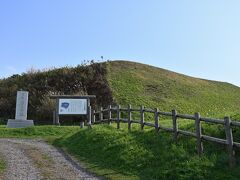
{"points": [[72, 106]]}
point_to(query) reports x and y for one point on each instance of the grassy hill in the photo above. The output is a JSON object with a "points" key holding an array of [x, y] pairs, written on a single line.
{"points": [[120, 82], [117, 153], [140, 84]]}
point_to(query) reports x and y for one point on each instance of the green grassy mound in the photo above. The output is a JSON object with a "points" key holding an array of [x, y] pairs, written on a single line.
{"points": [[120, 82], [139, 84], [119, 154]]}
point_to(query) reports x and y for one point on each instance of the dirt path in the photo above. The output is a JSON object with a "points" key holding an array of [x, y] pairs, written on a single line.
{"points": [[34, 159]]}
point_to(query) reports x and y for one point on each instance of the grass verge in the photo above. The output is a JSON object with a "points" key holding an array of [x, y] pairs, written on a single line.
{"points": [[2, 167], [119, 154]]}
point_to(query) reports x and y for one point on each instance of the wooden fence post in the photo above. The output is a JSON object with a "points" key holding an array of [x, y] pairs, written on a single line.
{"points": [[198, 133], [156, 118], [229, 138], [93, 117], [175, 125], [101, 114], [129, 117], [118, 116], [109, 114], [142, 117]]}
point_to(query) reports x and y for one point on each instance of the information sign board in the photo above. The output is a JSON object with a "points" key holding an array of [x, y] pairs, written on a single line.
{"points": [[72, 107]]}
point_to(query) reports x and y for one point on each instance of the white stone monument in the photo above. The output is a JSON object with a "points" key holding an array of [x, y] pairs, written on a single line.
{"points": [[20, 120]]}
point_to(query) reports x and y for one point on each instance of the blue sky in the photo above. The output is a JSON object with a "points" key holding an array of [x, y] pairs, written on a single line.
{"points": [[199, 38]]}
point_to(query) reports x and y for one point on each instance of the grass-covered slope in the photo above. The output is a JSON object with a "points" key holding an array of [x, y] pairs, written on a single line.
{"points": [[118, 154], [124, 83], [140, 84]]}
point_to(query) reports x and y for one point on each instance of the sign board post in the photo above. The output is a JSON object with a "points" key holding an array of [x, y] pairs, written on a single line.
{"points": [[57, 114], [67, 105]]}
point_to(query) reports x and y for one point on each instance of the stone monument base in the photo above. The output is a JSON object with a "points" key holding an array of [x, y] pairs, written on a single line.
{"points": [[15, 123]]}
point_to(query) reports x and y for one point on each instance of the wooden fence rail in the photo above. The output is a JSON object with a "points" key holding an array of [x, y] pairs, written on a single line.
{"points": [[106, 115]]}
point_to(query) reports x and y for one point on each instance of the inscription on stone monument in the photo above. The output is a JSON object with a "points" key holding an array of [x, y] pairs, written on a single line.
{"points": [[20, 120], [21, 105]]}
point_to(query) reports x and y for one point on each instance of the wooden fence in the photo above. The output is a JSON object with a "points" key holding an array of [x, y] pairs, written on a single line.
{"points": [[105, 115]]}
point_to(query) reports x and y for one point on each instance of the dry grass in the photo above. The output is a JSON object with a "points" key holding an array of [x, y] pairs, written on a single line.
{"points": [[44, 163]]}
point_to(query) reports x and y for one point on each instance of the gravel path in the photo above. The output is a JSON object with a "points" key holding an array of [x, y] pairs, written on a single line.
{"points": [[34, 159]]}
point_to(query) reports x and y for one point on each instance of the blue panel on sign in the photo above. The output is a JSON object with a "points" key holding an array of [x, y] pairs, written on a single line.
{"points": [[65, 105]]}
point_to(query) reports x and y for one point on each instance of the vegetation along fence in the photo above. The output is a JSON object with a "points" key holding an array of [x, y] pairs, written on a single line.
{"points": [[106, 115]]}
